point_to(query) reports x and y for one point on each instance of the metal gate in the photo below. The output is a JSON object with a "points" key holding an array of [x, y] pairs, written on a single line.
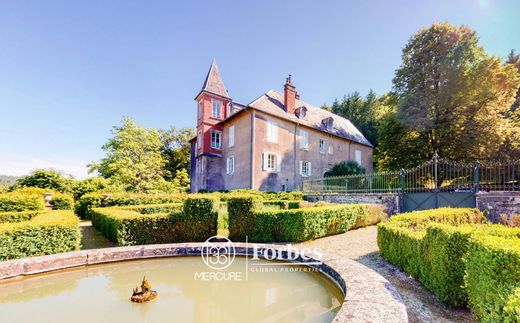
{"points": [[436, 183], [439, 183], [433, 200]]}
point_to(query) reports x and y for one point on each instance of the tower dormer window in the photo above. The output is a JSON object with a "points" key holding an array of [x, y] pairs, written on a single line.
{"points": [[216, 111]]}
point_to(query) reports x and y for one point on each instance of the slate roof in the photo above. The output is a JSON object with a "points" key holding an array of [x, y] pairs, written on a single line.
{"points": [[272, 103], [214, 83]]}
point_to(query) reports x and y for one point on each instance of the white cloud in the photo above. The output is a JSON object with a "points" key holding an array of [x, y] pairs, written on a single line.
{"points": [[19, 165]]}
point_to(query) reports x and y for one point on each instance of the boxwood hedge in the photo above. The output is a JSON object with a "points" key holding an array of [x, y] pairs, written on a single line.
{"points": [[493, 278], [247, 219], [47, 233], [95, 200], [423, 245], [19, 216], [195, 221], [17, 202]]}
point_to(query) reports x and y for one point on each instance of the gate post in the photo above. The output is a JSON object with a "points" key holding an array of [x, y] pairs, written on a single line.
{"points": [[476, 177], [401, 177]]}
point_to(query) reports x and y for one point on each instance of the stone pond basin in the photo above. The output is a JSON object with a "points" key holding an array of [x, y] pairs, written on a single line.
{"points": [[368, 297]]}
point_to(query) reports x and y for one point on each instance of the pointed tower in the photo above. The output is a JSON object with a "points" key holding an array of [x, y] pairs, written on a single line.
{"points": [[213, 106]]}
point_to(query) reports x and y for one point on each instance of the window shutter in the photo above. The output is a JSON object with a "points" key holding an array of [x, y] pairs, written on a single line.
{"points": [[278, 163], [310, 169], [264, 161], [301, 167], [231, 136], [227, 166]]}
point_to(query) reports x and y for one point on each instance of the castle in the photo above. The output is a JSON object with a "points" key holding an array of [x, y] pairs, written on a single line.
{"points": [[273, 143]]}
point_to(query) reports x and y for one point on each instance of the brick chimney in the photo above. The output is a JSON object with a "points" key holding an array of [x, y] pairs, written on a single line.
{"points": [[289, 92]]}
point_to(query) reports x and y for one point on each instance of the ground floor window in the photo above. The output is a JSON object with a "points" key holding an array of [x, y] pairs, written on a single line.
{"points": [[271, 162], [230, 169], [305, 168]]}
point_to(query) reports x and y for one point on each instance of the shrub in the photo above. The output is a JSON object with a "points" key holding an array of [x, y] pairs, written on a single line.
{"points": [[282, 204], [433, 252], [17, 202], [295, 225], [93, 200], [48, 233], [61, 201], [19, 216], [492, 278], [47, 179], [196, 221], [152, 208]]}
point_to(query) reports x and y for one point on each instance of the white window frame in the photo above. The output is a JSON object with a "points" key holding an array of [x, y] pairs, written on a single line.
{"points": [[216, 104], [304, 139], [323, 146], [271, 166], [272, 131], [230, 165], [305, 168], [218, 143], [231, 136], [358, 156], [199, 140]]}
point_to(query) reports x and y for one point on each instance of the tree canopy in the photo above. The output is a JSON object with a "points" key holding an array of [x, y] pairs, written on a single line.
{"points": [[345, 168], [452, 98], [134, 158]]}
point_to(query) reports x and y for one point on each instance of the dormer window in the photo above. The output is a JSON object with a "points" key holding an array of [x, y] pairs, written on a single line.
{"points": [[216, 110], [301, 112], [328, 123]]}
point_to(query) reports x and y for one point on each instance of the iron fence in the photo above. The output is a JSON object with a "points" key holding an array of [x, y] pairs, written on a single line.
{"points": [[436, 175]]}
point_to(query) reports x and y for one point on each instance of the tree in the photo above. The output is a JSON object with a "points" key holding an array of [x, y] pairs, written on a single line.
{"points": [[362, 112], [451, 97], [345, 168], [46, 178], [134, 158], [514, 59], [89, 185], [176, 150]]}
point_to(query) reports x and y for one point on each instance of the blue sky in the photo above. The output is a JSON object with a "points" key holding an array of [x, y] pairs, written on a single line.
{"points": [[70, 70]]}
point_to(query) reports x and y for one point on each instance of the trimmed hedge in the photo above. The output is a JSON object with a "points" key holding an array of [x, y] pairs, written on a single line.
{"points": [[151, 208], [19, 216], [196, 221], [62, 201], [296, 225], [283, 204], [434, 252], [48, 233], [493, 278], [17, 202], [87, 202]]}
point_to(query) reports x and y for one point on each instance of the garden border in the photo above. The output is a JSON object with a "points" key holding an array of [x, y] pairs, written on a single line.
{"points": [[368, 296]]}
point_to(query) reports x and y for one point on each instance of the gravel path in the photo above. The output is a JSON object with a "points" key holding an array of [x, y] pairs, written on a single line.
{"points": [[361, 245], [92, 238]]}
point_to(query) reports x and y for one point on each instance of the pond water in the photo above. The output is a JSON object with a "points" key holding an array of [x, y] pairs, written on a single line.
{"points": [[188, 291]]}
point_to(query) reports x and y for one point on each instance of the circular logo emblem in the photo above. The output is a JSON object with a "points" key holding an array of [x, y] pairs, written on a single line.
{"points": [[218, 255]]}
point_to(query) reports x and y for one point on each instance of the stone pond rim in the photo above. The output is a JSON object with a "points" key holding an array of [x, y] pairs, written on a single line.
{"points": [[367, 295]]}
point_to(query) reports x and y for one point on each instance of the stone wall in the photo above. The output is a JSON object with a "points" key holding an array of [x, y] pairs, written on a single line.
{"points": [[497, 203], [391, 201]]}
